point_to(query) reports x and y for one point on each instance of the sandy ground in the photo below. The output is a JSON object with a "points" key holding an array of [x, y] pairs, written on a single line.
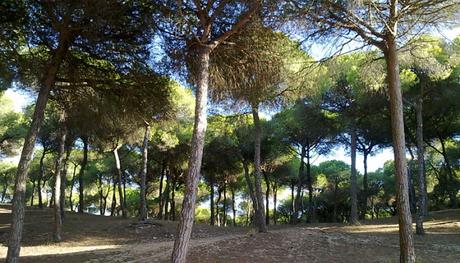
{"points": [[94, 239]]}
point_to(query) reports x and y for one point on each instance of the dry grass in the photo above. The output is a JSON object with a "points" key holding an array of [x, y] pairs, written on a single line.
{"points": [[94, 239]]}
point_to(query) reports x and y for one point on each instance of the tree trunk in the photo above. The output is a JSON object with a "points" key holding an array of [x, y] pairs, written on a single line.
{"points": [[452, 189], [275, 193], [311, 209], [71, 186], [233, 207], [143, 174], [365, 187], [354, 182], [407, 253], [160, 191], [267, 198], [260, 213], [194, 166], [212, 199], [101, 194], [40, 177], [219, 196], [32, 196], [113, 207], [64, 180], [250, 185], [166, 195], [292, 202], [119, 181], [224, 218], [57, 235], [18, 202], [84, 162], [299, 185], [173, 200], [422, 194]]}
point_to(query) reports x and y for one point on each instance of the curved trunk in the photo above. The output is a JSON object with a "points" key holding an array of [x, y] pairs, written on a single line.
{"points": [[299, 185], [84, 162], [406, 243], [18, 202], [354, 182], [143, 174], [260, 213], [57, 235]]}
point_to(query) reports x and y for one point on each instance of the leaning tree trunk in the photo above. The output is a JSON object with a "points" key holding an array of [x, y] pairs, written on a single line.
{"points": [[407, 252], [119, 181], [194, 165], [298, 198], [18, 202], [422, 195], [57, 235], [354, 182], [260, 213], [84, 162]]}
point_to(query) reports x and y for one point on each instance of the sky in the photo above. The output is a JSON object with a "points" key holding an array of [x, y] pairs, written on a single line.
{"points": [[23, 98]]}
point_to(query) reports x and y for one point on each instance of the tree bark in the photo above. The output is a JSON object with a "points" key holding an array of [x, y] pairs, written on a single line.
{"points": [[233, 207], [32, 196], [422, 194], [160, 191], [267, 198], [40, 177], [224, 218], [57, 235], [311, 209], [275, 193], [407, 253], [143, 174], [18, 203], [299, 185], [354, 181], [365, 187], [211, 186], [260, 213], [64, 180], [84, 162], [119, 181], [194, 166], [72, 182], [250, 185], [113, 206]]}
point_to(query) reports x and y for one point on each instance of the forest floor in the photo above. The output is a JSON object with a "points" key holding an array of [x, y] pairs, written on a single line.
{"points": [[94, 239]]}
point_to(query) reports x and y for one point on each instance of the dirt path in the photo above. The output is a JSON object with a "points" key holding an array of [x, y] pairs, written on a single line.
{"points": [[95, 239]]}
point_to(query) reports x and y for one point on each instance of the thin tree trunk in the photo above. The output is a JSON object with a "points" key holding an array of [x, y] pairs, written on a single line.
{"points": [[119, 180], [81, 201], [32, 196], [250, 185], [166, 194], [224, 218], [219, 196], [194, 166], [113, 207], [233, 206], [173, 200], [71, 187], [18, 203], [299, 185], [57, 235], [311, 209], [260, 213], [267, 198], [275, 193], [160, 191], [212, 199], [101, 194], [407, 252], [64, 180], [143, 174], [354, 181], [365, 187], [422, 194], [40, 177]]}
